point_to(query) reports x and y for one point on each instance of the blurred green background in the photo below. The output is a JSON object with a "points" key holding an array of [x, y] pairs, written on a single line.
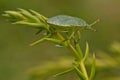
{"points": [[18, 59]]}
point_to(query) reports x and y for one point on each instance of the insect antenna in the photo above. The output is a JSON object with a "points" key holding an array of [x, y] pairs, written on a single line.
{"points": [[96, 21]]}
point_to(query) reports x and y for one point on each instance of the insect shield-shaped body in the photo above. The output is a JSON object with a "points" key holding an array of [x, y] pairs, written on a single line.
{"points": [[64, 23]]}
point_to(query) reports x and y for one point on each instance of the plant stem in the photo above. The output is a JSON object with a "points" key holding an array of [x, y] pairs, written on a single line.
{"points": [[83, 69], [70, 46], [76, 54], [74, 51]]}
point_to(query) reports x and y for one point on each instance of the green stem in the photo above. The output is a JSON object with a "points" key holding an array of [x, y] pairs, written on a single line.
{"points": [[77, 56], [70, 46], [83, 69]]}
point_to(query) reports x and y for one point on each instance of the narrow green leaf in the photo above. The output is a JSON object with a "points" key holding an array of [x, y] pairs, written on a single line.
{"points": [[14, 14], [86, 53], [93, 68], [79, 73], [56, 41], [64, 72], [41, 17], [35, 25], [6, 15], [29, 16], [40, 40]]}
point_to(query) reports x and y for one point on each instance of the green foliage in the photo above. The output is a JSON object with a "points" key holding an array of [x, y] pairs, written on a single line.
{"points": [[24, 17], [61, 37]]}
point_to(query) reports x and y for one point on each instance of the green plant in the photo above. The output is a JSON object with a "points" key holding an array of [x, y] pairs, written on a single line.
{"points": [[63, 31]]}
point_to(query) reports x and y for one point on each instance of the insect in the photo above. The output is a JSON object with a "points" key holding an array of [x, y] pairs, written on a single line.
{"points": [[64, 22]]}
